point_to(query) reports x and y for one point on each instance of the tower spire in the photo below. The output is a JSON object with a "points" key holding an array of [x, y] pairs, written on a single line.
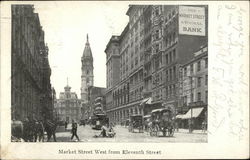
{"points": [[87, 38], [67, 81]]}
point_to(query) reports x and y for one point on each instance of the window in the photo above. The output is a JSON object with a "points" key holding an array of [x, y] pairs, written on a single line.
{"points": [[174, 37], [199, 81], [206, 63], [166, 89], [206, 80], [157, 34], [198, 66], [170, 90], [170, 74], [157, 47], [174, 74], [185, 71], [174, 91], [174, 54], [192, 97], [199, 96], [206, 95], [185, 100], [170, 56], [191, 68], [167, 75], [167, 58]]}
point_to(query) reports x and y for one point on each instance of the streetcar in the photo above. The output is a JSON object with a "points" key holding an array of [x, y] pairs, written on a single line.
{"points": [[98, 120]]}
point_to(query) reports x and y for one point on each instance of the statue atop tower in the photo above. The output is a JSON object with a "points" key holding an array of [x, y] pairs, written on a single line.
{"points": [[87, 78]]}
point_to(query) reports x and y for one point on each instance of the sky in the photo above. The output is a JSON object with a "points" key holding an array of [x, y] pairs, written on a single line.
{"points": [[66, 25]]}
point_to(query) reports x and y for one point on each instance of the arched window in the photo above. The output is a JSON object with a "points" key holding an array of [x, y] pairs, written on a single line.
{"points": [[87, 71], [87, 80]]}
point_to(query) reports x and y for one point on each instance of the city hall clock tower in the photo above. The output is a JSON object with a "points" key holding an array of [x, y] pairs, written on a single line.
{"points": [[87, 78]]}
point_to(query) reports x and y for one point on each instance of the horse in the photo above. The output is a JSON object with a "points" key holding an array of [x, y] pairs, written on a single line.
{"points": [[50, 129]]}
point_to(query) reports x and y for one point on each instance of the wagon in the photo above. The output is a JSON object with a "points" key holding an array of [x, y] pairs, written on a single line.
{"points": [[136, 123], [162, 121]]}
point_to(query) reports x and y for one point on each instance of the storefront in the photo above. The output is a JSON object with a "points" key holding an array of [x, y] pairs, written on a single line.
{"points": [[196, 115]]}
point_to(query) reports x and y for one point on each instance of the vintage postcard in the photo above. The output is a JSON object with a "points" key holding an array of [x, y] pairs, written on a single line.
{"points": [[124, 80]]}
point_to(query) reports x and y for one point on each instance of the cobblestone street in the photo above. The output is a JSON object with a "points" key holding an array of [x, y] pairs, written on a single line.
{"points": [[86, 134]]}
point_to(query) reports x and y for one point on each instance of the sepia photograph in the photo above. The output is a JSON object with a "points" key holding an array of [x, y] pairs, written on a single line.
{"points": [[154, 88], [129, 79]]}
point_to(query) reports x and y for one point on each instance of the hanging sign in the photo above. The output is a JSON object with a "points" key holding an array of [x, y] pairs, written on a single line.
{"points": [[192, 20]]}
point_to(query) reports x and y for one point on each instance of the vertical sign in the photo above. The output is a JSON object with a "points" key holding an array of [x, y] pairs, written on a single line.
{"points": [[192, 21]]}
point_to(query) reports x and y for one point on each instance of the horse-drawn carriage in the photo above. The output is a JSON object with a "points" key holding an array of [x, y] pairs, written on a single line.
{"points": [[136, 122], [162, 121]]}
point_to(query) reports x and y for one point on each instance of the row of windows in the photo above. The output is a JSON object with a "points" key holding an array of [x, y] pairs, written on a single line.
{"points": [[198, 97], [198, 67], [136, 94], [60, 111], [171, 73], [171, 39], [157, 95], [124, 114], [171, 56], [171, 90]]}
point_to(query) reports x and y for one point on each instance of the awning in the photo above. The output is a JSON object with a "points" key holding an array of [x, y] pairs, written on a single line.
{"points": [[179, 116], [157, 110], [144, 101], [98, 108], [149, 101], [146, 116], [195, 113], [97, 104]]}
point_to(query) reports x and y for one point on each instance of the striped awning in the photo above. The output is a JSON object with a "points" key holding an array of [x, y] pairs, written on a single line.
{"points": [[192, 113], [146, 101]]}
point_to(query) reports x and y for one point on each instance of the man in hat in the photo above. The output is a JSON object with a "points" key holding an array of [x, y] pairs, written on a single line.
{"points": [[74, 130]]}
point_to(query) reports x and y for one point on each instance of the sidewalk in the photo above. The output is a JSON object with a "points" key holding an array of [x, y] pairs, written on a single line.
{"points": [[194, 131]]}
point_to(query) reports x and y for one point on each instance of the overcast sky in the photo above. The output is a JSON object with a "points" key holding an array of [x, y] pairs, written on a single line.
{"points": [[66, 25]]}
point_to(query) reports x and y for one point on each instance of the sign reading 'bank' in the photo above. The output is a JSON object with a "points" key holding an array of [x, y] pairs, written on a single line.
{"points": [[192, 20]]}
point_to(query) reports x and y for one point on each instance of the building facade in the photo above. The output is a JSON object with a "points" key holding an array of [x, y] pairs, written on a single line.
{"points": [[68, 106], [178, 50], [96, 102], [31, 94], [87, 78], [149, 53], [194, 81]]}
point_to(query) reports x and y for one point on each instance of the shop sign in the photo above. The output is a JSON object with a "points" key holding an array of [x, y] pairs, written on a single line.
{"points": [[192, 21]]}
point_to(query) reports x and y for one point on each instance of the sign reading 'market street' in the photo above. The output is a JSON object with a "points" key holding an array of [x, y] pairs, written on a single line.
{"points": [[192, 20]]}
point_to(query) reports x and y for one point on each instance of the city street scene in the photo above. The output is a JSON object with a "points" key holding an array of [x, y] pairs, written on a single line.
{"points": [[112, 72]]}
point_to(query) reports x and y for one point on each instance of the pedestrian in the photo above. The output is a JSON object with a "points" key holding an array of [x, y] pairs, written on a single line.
{"points": [[40, 131], [66, 125], [104, 131], [31, 129], [177, 126], [26, 129], [36, 130], [74, 130], [111, 132]]}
